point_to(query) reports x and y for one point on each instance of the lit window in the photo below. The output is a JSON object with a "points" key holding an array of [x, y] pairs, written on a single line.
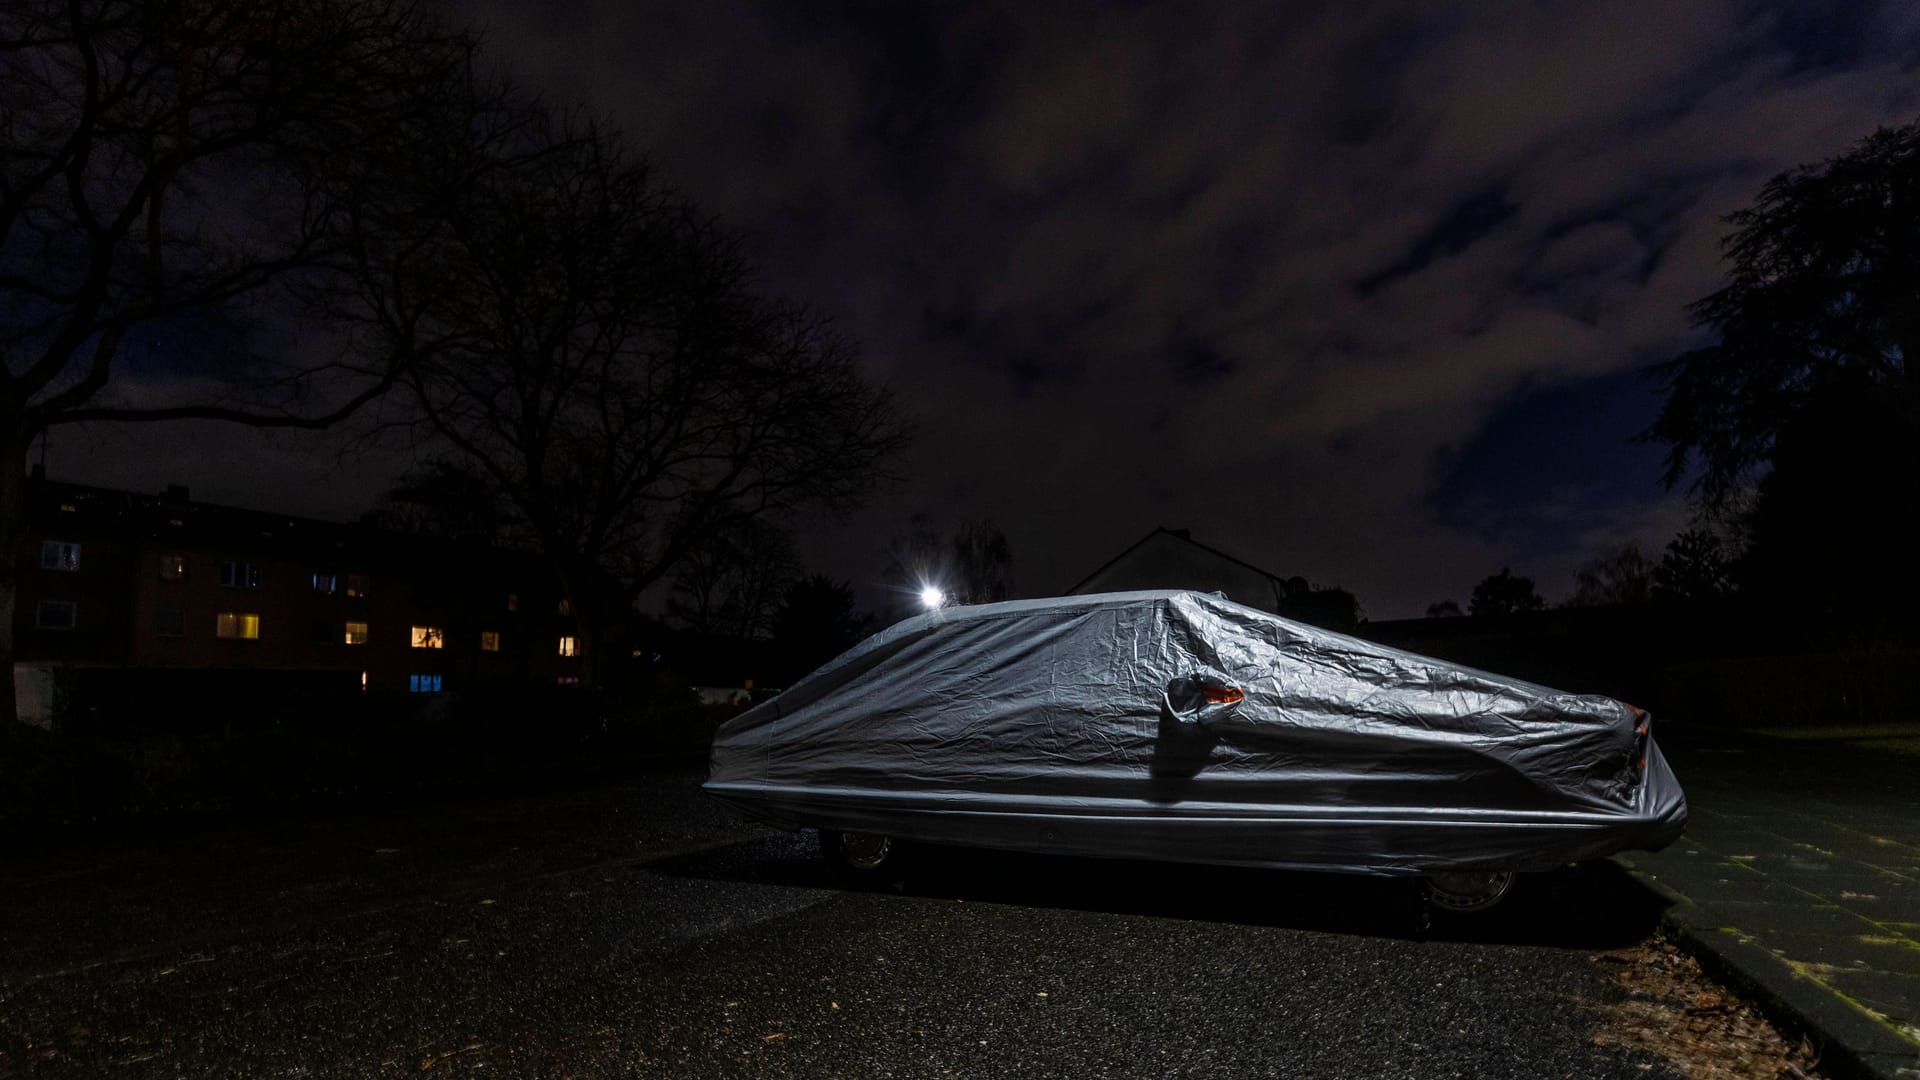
{"points": [[56, 615], [569, 680], [326, 583], [169, 622], [568, 646], [173, 568], [356, 633], [489, 641], [428, 637], [240, 575], [68, 508], [237, 626], [566, 607], [423, 684], [513, 601], [59, 555], [357, 585], [363, 682]]}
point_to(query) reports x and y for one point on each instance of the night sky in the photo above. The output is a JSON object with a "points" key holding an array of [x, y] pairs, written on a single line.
{"points": [[1355, 291]]}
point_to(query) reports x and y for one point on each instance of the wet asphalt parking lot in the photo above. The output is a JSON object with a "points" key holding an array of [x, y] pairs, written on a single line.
{"points": [[642, 931]]}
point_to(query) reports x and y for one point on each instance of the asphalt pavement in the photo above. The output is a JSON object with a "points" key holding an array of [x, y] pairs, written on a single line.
{"points": [[640, 932]]}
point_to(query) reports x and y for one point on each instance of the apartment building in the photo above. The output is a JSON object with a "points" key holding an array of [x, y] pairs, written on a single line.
{"points": [[120, 579]]}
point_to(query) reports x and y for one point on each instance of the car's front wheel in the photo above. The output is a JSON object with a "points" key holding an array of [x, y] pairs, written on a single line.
{"points": [[863, 856], [1463, 891]]}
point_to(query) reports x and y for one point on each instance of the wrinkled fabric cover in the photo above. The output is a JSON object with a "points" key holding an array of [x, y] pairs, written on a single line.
{"points": [[1182, 726]]}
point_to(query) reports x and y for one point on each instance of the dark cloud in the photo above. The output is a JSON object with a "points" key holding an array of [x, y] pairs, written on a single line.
{"points": [[1108, 254], [1572, 444], [1459, 226], [1194, 360]]}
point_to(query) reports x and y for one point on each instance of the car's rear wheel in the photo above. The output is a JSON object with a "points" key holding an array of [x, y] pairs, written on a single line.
{"points": [[1463, 891], [868, 856]]}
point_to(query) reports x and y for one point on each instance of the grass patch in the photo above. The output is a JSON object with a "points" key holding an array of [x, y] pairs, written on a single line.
{"points": [[1905, 732], [1908, 745]]}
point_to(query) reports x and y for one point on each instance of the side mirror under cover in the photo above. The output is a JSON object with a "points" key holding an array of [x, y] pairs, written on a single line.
{"points": [[1200, 698]]}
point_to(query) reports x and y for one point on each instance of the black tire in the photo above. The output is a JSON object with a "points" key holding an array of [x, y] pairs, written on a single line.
{"points": [[1467, 892], [865, 857]]}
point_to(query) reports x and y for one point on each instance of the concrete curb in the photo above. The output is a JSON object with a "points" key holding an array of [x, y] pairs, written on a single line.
{"points": [[1851, 1044]]}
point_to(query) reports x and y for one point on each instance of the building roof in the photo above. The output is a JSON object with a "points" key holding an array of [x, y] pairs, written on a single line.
{"points": [[172, 516], [1186, 563]]}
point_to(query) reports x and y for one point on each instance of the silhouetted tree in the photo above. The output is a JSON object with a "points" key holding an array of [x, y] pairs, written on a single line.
{"points": [[592, 345], [915, 559], [1331, 606], [1809, 386], [1623, 577], [1828, 533], [1445, 609], [171, 184], [443, 501], [1694, 569], [816, 623], [974, 565], [1823, 296], [1503, 594], [982, 562], [733, 583]]}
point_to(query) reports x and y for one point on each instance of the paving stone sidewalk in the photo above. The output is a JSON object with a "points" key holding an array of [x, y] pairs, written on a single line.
{"points": [[1799, 880]]}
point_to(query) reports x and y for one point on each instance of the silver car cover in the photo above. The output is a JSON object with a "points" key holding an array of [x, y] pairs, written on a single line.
{"points": [[1182, 726]]}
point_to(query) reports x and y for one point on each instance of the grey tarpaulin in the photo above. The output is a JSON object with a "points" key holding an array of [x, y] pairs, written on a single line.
{"points": [[1180, 725]]}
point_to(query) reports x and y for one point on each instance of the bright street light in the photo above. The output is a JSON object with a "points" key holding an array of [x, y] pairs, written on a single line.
{"points": [[932, 597]]}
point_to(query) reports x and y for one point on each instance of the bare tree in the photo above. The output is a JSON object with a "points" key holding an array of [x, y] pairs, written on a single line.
{"points": [[816, 622], [171, 179], [733, 583], [442, 501], [974, 565], [982, 562], [591, 344]]}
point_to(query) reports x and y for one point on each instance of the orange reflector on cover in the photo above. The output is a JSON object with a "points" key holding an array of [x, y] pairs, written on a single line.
{"points": [[1222, 695]]}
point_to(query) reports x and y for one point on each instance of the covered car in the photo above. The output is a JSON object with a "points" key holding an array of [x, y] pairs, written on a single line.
{"points": [[1183, 726]]}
